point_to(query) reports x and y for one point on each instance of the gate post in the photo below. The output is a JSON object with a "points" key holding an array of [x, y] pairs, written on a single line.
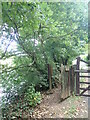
{"points": [[77, 77], [72, 85]]}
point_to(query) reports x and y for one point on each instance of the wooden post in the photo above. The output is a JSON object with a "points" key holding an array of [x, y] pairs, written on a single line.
{"points": [[77, 77], [72, 85], [62, 82], [74, 77], [65, 92], [71, 80], [50, 76]]}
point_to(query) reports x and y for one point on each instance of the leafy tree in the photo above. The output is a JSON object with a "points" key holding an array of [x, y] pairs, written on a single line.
{"points": [[45, 33]]}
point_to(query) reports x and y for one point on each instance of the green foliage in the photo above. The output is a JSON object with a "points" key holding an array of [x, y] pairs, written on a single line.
{"points": [[33, 98], [22, 103], [45, 33], [72, 110]]}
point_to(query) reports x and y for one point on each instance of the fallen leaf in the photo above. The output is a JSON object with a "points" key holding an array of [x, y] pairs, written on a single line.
{"points": [[65, 112]]}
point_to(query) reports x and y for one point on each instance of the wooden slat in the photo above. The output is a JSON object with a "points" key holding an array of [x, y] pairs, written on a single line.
{"points": [[65, 83], [72, 81], [85, 76], [85, 82], [77, 76], [82, 71], [84, 61], [77, 94], [85, 95], [84, 88]]}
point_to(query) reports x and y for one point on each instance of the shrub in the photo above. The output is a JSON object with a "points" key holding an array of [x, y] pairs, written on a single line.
{"points": [[33, 98]]}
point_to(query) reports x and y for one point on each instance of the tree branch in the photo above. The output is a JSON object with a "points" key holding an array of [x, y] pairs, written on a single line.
{"points": [[3, 54], [14, 68], [62, 36]]}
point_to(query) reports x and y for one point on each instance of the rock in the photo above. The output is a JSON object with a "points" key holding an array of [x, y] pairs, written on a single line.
{"points": [[76, 114], [50, 114], [84, 101]]}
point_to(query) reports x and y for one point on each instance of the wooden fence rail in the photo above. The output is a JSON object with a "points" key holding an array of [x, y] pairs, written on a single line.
{"points": [[78, 76]]}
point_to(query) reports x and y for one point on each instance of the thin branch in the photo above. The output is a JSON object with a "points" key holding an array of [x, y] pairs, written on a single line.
{"points": [[16, 54], [62, 36], [14, 68], [19, 42], [3, 54]]}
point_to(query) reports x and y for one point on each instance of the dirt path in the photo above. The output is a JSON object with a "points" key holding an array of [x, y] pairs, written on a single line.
{"points": [[51, 107]]}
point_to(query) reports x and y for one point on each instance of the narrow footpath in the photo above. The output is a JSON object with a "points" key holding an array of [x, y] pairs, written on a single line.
{"points": [[51, 107]]}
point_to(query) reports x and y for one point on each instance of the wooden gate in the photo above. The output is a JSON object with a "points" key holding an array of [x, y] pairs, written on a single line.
{"points": [[71, 80], [67, 82], [78, 72]]}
